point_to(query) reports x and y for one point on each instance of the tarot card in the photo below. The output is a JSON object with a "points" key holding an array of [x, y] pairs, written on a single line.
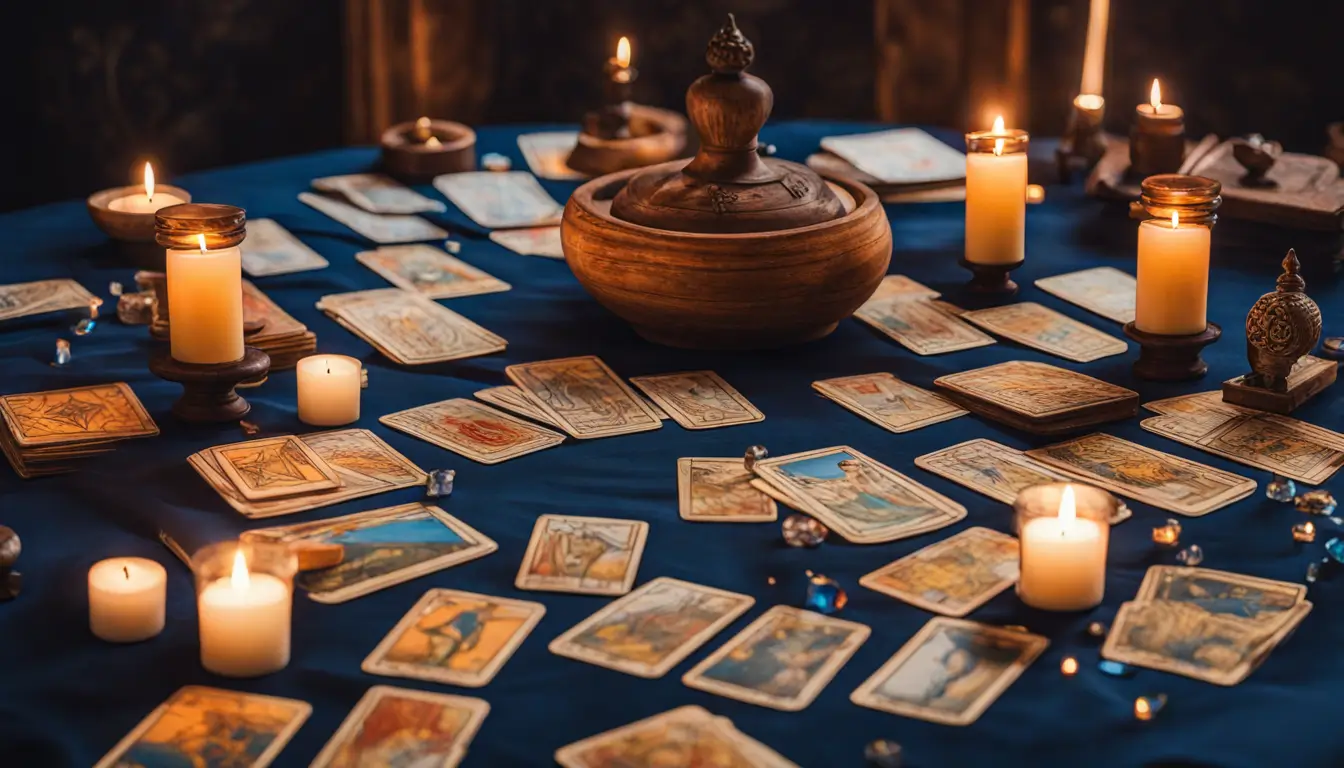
{"points": [[920, 327], [380, 548], [947, 308], [270, 249], [455, 638], [888, 402], [1278, 444], [531, 241], [1035, 390], [584, 397], [1185, 638], [410, 329], [511, 398], [429, 271], [401, 726], [377, 193], [79, 414], [899, 285], [1221, 592], [380, 228], [500, 200], [42, 296], [1197, 403], [547, 154], [720, 491], [649, 631], [950, 672], [899, 156], [991, 468], [365, 463], [686, 736], [204, 726], [953, 576], [781, 660], [1104, 290], [698, 399], [1143, 474], [860, 498], [1038, 327], [777, 494], [273, 467], [583, 555], [474, 430]]}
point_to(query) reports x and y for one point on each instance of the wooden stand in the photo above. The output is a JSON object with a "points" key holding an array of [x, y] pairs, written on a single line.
{"points": [[208, 390], [991, 279], [134, 232], [1171, 358], [1309, 377], [409, 158]]}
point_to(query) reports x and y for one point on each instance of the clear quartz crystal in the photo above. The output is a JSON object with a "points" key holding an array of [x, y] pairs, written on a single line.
{"points": [[1281, 489], [115, 288], [754, 454], [1313, 572], [882, 753], [439, 483], [493, 161], [1190, 556], [62, 352], [803, 531], [452, 246]]}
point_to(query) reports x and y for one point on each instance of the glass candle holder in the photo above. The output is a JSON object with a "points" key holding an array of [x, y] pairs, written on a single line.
{"points": [[1063, 530], [205, 280], [1173, 261], [244, 596], [996, 196]]}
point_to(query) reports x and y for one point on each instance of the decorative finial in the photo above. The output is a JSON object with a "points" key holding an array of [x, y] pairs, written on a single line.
{"points": [[729, 50], [1291, 280]]}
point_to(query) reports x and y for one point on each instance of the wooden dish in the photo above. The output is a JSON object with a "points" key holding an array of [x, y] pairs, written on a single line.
{"points": [[657, 136], [134, 231], [727, 291], [409, 159]]}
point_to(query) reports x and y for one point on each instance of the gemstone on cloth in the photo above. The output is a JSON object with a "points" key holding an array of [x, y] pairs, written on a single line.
{"points": [[249, 428], [115, 288], [493, 161], [1190, 556], [1281, 489], [882, 753], [84, 327], [1313, 572], [803, 531], [825, 595], [452, 246], [1317, 502], [62, 352], [754, 454], [1147, 707], [439, 483], [1115, 668], [1304, 532], [1097, 629], [1169, 534], [1335, 549]]}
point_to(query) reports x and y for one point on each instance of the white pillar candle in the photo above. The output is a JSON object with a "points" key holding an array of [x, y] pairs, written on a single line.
{"points": [[147, 202], [329, 389], [245, 623], [1063, 559], [126, 599], [1173, 278], [996, 203], [205, 297]]}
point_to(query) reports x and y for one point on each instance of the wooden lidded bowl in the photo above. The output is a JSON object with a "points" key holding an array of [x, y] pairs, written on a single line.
{"points": [[407, 156]]}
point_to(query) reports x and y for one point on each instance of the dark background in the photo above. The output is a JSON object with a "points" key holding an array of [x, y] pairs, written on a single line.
{"points": [[94, 87]]}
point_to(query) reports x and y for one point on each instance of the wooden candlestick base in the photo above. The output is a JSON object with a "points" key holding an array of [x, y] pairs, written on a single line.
{"points": [[1309, 377], [1171, 358], [991, 279], [208, 390]]}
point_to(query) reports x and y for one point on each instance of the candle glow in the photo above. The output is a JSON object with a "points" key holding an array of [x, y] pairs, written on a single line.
{"points": [[240, 579], [998, 143], [1063, 556], [149, 182], [1155, 97], [623, 52]]}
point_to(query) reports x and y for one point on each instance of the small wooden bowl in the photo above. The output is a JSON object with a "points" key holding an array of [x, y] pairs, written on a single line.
{"points": [[657, 136], [410, 160], [134, 231], [734, 291]]}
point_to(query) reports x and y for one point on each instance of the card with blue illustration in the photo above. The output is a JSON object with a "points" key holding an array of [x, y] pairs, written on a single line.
{"points": [[1221, 592], [950, 672], [378, 549], [782, 660]]}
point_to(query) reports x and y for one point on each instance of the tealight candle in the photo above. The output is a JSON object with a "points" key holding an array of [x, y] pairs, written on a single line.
{"points": [[147, 202], [126, 599], [1063, 532], [1157, 141], [245, 614], [329, 390], [996, 195], [205, 289]]}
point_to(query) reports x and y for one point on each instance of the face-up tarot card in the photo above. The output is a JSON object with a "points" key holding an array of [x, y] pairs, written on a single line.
{"points": [[500, 200], [273, 467], [23, 299], [720, 491], [531, 241], [380, 228], [953, 576], [410, 329], [899, 156], [585, 555], [429, 271], [399, 726], [687, 736], [474, 430], [1042, 328], [584, 397], [377, 193], [1104, 290], [80, 414], [698, 399], [921, 327], [270, 249], [512, 399], [547, 154], [887, 401]]}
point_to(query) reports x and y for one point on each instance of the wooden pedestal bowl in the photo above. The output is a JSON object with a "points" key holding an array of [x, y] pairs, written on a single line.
{"points": [[752, 290], [656, 136]]}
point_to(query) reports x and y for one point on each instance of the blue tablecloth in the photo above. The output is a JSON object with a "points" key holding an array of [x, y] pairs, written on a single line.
{"points": [[66, 698]]}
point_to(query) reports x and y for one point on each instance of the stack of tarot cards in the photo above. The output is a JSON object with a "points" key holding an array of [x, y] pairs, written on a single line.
{"points": [[903, 162], [1210, 625], [43, 296], [1038, 398], [280, 336], [44, 431], [684, 732], [408, 328], [281, 475]]}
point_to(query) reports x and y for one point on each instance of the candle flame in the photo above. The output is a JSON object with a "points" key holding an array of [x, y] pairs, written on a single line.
{"points": [[623, 52], [1155, 96], [1175, 219], [998, 128], [149, 181], [433, 142], [1068, 509], [200, 238], [240, 579]]}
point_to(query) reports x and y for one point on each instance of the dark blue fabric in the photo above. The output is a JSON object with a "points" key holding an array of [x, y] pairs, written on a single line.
{"points": [[66, 698]]}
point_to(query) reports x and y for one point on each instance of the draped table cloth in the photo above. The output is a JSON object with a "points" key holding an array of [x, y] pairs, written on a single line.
{"points": [[66, 697]]}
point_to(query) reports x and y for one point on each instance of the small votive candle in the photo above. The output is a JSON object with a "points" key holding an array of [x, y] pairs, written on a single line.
{"points": [[329, 389], [147, 202], [126, 599], [244, 597], [1063, 532], [1069, 666], [996, 195]]}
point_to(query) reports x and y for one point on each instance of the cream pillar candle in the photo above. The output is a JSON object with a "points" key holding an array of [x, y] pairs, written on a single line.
{"points": [[1173, 277], [205, 291], [245, 622], [126, 599], [996, 196], [329, 389], [1063, 558], [148, 202]]}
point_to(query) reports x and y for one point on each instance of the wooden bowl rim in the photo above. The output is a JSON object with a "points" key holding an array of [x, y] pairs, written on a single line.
{"points": [[394, 138], [102, 200], [867, 199]]}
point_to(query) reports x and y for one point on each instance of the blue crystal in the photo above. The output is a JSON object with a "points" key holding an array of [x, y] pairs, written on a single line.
{"points": [[1115, 668], [1147, 707], [824, 595], [803, 531], [1281, 489], [883, 753], [1313, 572], [1317, 502], [84, 327], [1335, 549], [439, 483]]}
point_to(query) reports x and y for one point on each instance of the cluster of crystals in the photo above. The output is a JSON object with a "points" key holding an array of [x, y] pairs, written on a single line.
{"points": [[1069, 666], [493, 161], [1190, 556], [1147, 707], [883, 753], [1304, 532], [363, 378], [1281, 489], [754, 454], [86, 325], [1317, 502], [452, 246], [439, 483], [249, 428], [1115, 668], [825, 595], [803, 531], [62, 353], [136, 308], [1168, 535]]}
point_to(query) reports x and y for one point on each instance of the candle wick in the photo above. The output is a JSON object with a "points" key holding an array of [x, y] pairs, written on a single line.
{"points": [[126, 571]]}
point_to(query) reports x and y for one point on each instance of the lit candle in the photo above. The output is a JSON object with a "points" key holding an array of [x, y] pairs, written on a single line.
{"points": [[245, 622], [148, 202], [205, 290], [1094, 51], [1063, 558], [126, 599], [1173, 277], [996, 196], [1157, 141], [329, 389], [620, 69], [1155, 112]]}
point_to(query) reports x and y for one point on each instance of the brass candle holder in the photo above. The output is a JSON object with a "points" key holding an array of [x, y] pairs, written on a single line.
{"points": [[126, 215], [1084, 142], [1157, 137], [418, 151], [208, 388]]}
